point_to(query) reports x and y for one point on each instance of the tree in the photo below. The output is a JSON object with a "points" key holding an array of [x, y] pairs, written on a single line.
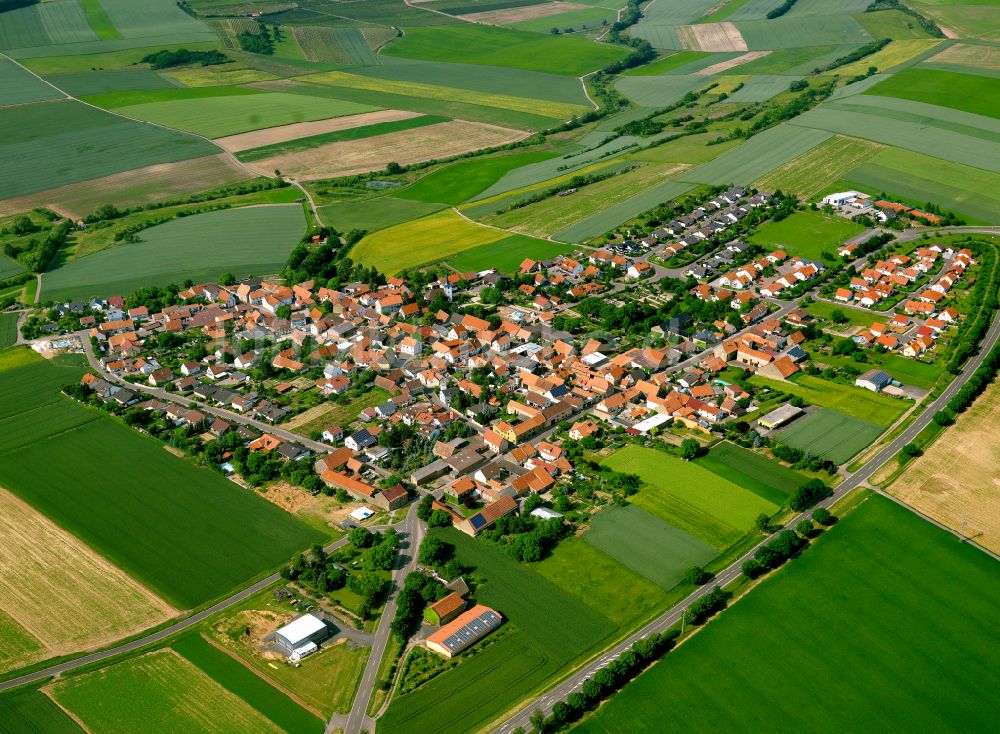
{"points": [[752, 568], [439, 519], [227, 279], [822, 516], [393, 168], [434, 551], [808, 494], [804, 528], [383, 556], [762, 523], [697, 575], [912, 450], [690, 449], [424, 509], [837, 316], [537, 721], [361, 538]]}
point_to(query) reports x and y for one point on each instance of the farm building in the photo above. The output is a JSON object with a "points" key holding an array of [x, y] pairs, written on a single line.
{"points": [[301, 636], [874, 380], [445, 610], [779, 417], [466, 630]]}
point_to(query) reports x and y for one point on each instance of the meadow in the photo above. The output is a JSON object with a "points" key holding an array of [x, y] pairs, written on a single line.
{"points": [[647, 545], [506, 255], [31, 712], [157, 692], [83, 83], [894, 24], [18, 86], [8, 329], [600, 222], [856, 401], [699, 487], [807, 233], [51, 144], [49, 577], [186, 533], [247, 685], [812, 172], [979, 95], [830, 434], [658, 91], [810, 639], [759, 155], [218, 116], [672, 62], [492, 46], [460, 181], [420, 241], [246, 241], [750, 470], [855, 316], [602, 583], [374, 214], [799, 29]]}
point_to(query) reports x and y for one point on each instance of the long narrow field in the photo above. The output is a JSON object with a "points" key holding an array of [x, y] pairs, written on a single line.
{"points": [[886, 615], [973, 93], [249, 241], [8, 329], [50, 576], [158, 692], [600, 222], [375, 214], [957, 480], [830, 434], [32, 712], [810, 173], [506, 255], [856, 401], [752, 471], [458, 182], [186, 533]]}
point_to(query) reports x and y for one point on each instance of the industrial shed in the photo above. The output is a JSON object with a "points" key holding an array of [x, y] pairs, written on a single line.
{"points": [[467, 629], [302, 636]]}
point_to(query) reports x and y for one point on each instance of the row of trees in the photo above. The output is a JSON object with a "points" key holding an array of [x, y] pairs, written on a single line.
{"points": [[418, 591], [165, 59]]}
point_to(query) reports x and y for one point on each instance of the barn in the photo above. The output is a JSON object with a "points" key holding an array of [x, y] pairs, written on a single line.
{"points": [[302, 636]]}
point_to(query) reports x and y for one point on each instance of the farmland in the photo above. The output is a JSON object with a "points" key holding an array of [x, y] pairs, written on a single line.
{"points": [[158, 692], [51, 144], [839, 623], [18, 86], [458, 182], [493, 46], [647, 545], [600, 222], [250, 240], [8, 329], [374, 214], [955, 481], [830, 434], [972, 93], [807, 233], [82, 83], [856, 401], [31, 712], [506, 255], [809, 174], [50, 576], [423, 240], [184, 532], [968, 57], [752, 471], [702, 489]]}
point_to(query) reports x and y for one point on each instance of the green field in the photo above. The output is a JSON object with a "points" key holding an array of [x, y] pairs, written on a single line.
{"points": [[8, 329], [493, 46], [18, 86], [887, 616], [352, 133], [506, 255], [186, 532], [659, 91], [893, 24], [429, 239], [799, 29], [458, 182], [647, 545], [239, 680], [158, 692], [808, 175], [600, 222], [50, 144], [690, 483], [374, 214], [856, 401], [601, 586], [761, 154], [979, 95], [762, 87], [248, 241], [830, 434], [855, 316], [218, 116], [83, 83], [673, 62], [752, 471], [32, 712], [807, 233]]}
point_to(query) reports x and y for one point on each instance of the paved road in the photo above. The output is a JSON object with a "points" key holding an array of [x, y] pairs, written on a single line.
{"points": [[229, 415], [162, 634], [732, 572], [358, 719]]}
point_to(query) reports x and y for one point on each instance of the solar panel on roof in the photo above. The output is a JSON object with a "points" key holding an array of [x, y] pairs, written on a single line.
{"points": [[477, 521]]}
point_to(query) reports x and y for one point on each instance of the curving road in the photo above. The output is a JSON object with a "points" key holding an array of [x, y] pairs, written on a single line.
{"points": [[731, 572]]}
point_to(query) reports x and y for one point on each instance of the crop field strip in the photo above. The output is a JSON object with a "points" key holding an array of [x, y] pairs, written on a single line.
{"points": [[968, 57], [52, 144], [31, 712], [375, 214], [750, 470], [460, 181], [84, 83], [867, 614], [648, 546], [157, 692], [50, 576], [659, 91], [250, 240], [8, 329], [506, 255], [864, 404], [830, 434], [812, 172], [138, 521], [18, 86], [971, 93]]}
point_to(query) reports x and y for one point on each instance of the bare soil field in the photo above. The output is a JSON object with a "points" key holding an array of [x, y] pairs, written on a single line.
{"points": [[138, 186], [727, 65], [283, 133], [60, 592], [958, 478], [324, 510], [404, 147], [964, 54], [505, 16], [712, 37]]}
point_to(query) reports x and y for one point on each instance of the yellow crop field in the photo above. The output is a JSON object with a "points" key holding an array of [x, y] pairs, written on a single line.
{"points": [[957, 480], [57, 595], [966, 54], [892, 55], [205, 76], [560, 110], [421, 241]]}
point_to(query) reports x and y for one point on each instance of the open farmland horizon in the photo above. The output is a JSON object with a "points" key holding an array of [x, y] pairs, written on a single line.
{"points": [[442, 365]]}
